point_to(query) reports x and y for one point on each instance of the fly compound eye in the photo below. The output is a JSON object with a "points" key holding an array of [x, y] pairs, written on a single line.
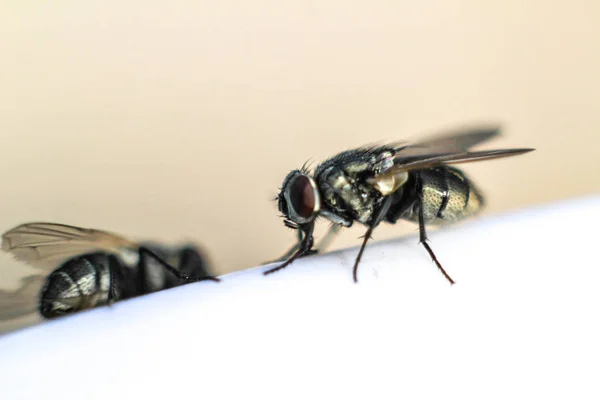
{"points": [[303, 197]]}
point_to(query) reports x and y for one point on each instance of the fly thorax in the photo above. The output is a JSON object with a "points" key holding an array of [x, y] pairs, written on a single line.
{"points": [[344, 191], [370, 199]]}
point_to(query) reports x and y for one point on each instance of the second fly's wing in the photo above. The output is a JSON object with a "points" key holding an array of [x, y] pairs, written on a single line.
{"points": [[46, 245], [23, 301]]}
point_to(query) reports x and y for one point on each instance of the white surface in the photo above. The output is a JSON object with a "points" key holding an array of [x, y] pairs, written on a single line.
{"points": [[521, 323]]}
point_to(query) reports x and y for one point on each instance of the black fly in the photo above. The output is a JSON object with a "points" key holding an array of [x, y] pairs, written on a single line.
{"points": [[88, 268], [378, 184]]}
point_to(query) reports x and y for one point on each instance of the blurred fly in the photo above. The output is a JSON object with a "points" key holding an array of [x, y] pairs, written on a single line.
{"points": [[375, 184], [88, 268]]}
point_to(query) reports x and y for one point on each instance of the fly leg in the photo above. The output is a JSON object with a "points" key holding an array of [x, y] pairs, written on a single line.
{"points": [[319, 248], [382, 212], [192, 263], [423, 241], [145, 253], [291, 251], [303, 248], [333, 230]]}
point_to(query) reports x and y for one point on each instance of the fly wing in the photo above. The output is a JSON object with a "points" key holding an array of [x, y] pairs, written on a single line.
{"points": [[449, 148], [11, 325], [450, 142], [433, 160], [46, 245], [394, 177], [23, 301]]}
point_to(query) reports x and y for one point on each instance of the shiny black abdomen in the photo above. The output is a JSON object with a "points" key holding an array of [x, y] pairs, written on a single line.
{"points": [[447, 196], [97, 279], [80, 283]]}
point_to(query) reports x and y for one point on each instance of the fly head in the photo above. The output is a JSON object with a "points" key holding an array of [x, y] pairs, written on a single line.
{"points": [[299, 200]]}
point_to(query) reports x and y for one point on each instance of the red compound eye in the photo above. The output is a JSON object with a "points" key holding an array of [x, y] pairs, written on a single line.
{"points": [[302, 196]]}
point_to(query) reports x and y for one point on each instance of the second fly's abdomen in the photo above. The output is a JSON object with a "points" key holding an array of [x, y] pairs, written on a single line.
{"points": [[447, 196], [80, 283]]}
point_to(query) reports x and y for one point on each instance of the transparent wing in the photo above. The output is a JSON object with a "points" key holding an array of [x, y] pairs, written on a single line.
{"points": [[46, 245], [394, 177], [23, 301], [454, 158], [459, 140], [20, 323]]}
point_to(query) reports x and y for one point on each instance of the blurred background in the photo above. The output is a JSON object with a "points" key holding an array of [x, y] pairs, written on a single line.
{"points": [[178, 121]]}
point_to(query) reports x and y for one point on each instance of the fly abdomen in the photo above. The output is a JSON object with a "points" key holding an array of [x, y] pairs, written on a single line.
{"points": [[80, 283], [447, 195]]}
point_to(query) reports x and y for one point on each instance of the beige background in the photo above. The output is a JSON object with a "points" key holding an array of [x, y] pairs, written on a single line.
{"points": [[180, 119]]}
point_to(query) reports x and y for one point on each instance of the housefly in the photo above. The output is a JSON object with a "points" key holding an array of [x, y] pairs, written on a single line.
{"points": [[374, 184], [86, 268]]}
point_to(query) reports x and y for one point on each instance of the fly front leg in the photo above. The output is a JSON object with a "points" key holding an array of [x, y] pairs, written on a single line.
{"points": [[303, 249], [292, 250], [379, 216], [320, 247], [332, 232]]}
